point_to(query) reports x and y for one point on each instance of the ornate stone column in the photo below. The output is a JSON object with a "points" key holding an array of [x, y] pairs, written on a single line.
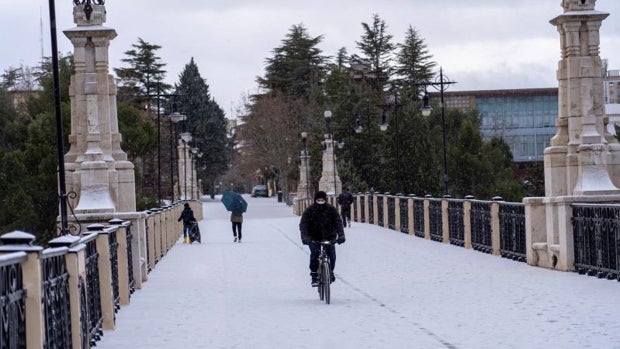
{"points": [[581, 165], [576, 163], [303, 189], [97, 168], [330, 181]]}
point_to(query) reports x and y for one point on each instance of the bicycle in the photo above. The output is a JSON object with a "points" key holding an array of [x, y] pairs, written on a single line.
{"points": [[324, 272]]}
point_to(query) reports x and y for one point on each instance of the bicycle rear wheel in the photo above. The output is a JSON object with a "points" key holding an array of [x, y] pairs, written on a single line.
{"points": [[326, 281]]}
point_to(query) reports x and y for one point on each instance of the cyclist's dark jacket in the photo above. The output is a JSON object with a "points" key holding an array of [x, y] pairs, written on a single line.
{"points": [[187, 216], [320, 222]]}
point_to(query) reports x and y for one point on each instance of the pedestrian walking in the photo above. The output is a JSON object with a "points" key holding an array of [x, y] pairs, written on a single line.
{"points": [[237, 221], [187, 216], [345, 199]]}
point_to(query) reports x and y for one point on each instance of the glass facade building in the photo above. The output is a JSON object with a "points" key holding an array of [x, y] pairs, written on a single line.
{"points": [[524, 118]]}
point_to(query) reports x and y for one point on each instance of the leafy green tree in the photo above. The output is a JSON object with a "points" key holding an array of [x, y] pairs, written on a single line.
{"points": [[207, 123]]}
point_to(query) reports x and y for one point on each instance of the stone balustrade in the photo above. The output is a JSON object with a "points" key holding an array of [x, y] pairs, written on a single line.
{"points": [[67, 295]]}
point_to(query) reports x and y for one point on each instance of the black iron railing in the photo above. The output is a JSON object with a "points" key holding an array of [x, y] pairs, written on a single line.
{"points": [[418, 220], [512, 231], [597, 240], [93, 291], [435, 223], [481, 236], [404, 215], [12, 302], [456, 222], [113, 241], [132, 281], [371, 210], [56, 304], [362, 209], [391, 203], [380, 210]]}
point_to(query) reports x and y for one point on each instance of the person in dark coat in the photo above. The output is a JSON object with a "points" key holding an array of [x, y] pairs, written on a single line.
{"points": [[187, 216], [345, 199], [321, 222]]}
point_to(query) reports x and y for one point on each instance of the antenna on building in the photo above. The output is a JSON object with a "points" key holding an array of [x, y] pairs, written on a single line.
{"points": [[41, 28]]}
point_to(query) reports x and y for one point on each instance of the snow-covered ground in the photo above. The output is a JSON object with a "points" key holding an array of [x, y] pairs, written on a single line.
{"points": [[392, 291]]}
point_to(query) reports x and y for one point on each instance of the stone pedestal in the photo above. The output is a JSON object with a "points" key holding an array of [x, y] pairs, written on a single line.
{"points": [[330, 181]]}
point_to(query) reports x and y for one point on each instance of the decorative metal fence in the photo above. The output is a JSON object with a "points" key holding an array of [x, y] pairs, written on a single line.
{"points": [[404, 215], [56, 303], [481, 235], [113, 243], [362, 209], [512, 231], [596, 231], [418, 220], [391, 203], [371, 210], [379, 211], [12, 302], [93, 291], [436, 222], [455, 222]]}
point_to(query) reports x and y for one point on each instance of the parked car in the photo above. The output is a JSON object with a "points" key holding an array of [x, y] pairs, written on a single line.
{"points": [[260, 190]]}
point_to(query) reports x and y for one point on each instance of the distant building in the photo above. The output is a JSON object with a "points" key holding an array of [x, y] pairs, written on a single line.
{"points": [[524, 118]]}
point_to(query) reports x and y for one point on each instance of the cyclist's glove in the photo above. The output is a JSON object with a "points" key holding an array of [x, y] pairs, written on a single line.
{"points": [[340, 240]]}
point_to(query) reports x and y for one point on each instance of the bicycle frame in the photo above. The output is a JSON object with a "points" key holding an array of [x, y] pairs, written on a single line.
{"points": [[324, 272]]}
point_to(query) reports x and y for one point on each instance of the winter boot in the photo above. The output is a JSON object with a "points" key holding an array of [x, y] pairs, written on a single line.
{"points": [[315, 279]]}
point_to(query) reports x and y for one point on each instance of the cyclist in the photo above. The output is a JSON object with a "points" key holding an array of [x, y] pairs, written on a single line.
{"points": [[320, 222]]}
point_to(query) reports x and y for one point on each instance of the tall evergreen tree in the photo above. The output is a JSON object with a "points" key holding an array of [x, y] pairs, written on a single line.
{"points": [[414, 63], [377, 47], [296, 67], [145, 74], [207, 123]]}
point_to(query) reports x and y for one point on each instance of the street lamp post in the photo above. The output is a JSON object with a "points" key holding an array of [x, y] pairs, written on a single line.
{"points": [[186, 137], [175, 117], [441, 85], [304, 139], [392, 100]]}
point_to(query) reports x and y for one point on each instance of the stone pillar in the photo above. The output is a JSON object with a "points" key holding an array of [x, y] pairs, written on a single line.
{"points": [[304, 190], [580, 163], [97, 168], [330, 181], [576, 162]]}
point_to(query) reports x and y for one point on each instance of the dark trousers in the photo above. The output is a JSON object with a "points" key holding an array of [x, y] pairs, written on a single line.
{"points": [[186, 228], [315, 250], [346, 214], [236, 227]]}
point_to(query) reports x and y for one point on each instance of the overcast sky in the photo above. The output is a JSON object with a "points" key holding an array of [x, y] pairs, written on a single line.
{"points": [[481, 44]]}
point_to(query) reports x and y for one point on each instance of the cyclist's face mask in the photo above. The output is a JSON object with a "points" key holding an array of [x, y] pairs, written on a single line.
{"points": [[320, 202]]}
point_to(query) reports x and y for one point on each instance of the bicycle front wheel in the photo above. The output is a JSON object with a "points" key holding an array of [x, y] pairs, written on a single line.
{"points": [[326, 281], [320, 288]]}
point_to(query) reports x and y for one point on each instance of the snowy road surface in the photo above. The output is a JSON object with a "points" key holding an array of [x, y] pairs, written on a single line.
{"points": [[392, 291]]}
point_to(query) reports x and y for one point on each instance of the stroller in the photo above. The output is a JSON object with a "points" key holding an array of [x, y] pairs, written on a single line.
{"points": [[194, 233]]}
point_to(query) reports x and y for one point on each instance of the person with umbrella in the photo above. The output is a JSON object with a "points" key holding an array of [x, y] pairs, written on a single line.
{"points": [[237, 219], [237, 205]]}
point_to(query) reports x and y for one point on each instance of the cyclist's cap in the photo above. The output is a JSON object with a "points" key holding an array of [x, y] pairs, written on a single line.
{"points": [[320, 195]]}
